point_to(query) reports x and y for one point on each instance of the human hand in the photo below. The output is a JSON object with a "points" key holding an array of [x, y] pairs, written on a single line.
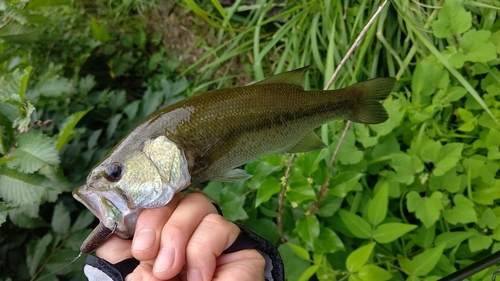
{"points": [[184, 241]]}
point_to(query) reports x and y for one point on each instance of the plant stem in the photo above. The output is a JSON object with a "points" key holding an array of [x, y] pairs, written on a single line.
{"points": [[281, 198]]}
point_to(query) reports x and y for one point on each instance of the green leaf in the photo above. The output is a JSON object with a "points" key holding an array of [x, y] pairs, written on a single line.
{"points": [[371, 272], [267, 188], [327, 242], [329, 205], [21, 189], [34, 150], [3, 217], [60, 219], [377, 207], [356, 224], [453, 93], [495, 39], [300, 252], [18, 33], [396, 112], [99, 31], [423, 263], [56, 86], [476, 166], [359, 257], [388, 232], [427, 78], [84, 219], [493, 138], [23, 121], [426, 209], [265, 228], [67, 127], [463, 212], [444, 157], [471, 90], [406, 167], [450, 181], [35, 252], [452, 19], [349, 154], [448, 158], [308, 229], [486, 194], [424, 237], [354, 277], [13, 85], [231, 205], [488, 219], [24, 82], [455, 59], [479, 241], [452, 239], [344, 182], [13, 12], [309, 272], [477, 47], [430, 151], [112, 125], [300, 191], [294, 267]]}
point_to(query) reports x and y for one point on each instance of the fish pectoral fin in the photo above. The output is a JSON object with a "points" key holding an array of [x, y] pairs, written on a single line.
{"points": [[233, 175], [295, 77], [310, 142]]}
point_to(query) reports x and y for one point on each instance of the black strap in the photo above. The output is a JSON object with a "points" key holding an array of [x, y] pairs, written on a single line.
{"points": [[104, 266], [250, 240], [125, 267]]}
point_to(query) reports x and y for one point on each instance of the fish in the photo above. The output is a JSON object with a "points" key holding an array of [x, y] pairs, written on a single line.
{"points": [[208, 136]]}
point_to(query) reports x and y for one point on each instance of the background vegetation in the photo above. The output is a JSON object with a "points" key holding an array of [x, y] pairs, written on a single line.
{"points": [[413, 198]]}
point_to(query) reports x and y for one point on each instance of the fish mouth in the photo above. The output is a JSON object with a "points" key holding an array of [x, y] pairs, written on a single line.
{"points": [[110, 208]]}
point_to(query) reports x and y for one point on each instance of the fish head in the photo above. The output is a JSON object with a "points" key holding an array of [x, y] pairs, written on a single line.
{"points": [[124, 184]]}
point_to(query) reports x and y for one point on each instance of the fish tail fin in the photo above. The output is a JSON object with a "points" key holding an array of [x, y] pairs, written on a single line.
{"points": [[369, 94]]}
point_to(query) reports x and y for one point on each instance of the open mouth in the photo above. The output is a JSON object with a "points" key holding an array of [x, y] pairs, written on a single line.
{"points": [[102, 208], [111, 208]]}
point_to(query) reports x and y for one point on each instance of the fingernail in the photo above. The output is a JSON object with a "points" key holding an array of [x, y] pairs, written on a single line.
{"points": [[164, 260], [193, 275], [144, 239]]}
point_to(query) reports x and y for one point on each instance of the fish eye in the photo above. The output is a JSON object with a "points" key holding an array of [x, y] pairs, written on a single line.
{"points": [[113, 172]]}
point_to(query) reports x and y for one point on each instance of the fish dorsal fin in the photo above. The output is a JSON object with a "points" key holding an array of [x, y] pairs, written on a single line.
{"points": [[295, 77], [233, 175], [310, 142]]}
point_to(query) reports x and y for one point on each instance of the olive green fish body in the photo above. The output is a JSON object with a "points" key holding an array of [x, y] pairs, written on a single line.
{"points": [[207, 136], [226, 128]]}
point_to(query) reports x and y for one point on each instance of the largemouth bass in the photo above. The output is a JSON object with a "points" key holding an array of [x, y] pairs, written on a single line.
{"points": [[205, 137]]}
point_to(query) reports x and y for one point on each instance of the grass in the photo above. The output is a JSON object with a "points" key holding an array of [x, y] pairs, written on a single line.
{"points": [[413, 198]]}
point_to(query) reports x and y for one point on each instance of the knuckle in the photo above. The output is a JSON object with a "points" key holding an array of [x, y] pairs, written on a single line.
{"points": [[172, 230], [214, 220]]}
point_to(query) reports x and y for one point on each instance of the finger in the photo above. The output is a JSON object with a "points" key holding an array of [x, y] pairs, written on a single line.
{"points": [[146, 241], [244, 265], [211, 238], [114, 249], [177, 232]]}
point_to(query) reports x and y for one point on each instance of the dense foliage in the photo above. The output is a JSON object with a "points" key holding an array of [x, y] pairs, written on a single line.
{"points": [[413, 198]]}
